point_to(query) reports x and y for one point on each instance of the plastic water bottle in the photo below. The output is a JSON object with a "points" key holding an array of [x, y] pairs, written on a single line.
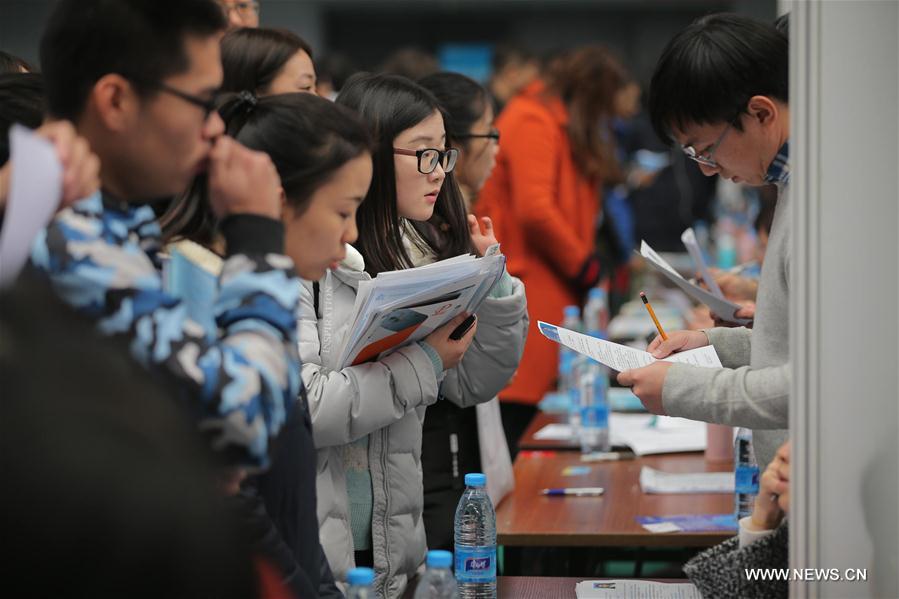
{"points": [[746, 474], [571, 320], [596, 313], [594, 421], [726, 250], [361, 583], [567, 364], [475, 541], [438, 581]]}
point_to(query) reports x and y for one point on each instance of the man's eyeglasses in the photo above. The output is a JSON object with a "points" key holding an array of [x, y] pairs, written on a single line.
{"points": [[705, 158], [429, 158], [493, 134], [244, 9], [208, 105]]}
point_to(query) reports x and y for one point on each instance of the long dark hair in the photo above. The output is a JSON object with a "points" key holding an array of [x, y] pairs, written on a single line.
{"points": [[252, 58], [464, 100], [587, 80], [391, 104], [308, 138]]}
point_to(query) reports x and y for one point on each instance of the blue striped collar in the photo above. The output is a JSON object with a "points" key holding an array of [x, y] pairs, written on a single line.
{"points": [[779, 169]]}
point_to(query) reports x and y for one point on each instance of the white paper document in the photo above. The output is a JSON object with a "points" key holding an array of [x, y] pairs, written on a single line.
{"points": [[656, 481], [555, 432], [688, 238], [635, 589], [648, 435], [35, 188], [720, 306], [621, 357], [645, 434]]}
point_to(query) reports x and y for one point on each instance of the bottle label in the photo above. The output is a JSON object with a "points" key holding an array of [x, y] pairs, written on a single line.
{"points": [[475, 564], [746, 479]]}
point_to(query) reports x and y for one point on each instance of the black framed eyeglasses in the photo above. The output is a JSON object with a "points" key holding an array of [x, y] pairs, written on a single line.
{"points": [[493, 134], [208, 105], [429, 158]]}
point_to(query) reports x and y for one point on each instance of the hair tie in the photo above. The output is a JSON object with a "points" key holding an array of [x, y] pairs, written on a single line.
{"points": [[249, 99]]}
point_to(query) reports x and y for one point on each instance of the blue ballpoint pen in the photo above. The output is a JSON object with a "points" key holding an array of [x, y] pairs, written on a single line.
{"points": [[576, 491]]}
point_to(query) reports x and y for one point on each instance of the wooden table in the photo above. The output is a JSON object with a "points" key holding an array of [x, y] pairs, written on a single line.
{"points": [[528, 441], [527, 518]]}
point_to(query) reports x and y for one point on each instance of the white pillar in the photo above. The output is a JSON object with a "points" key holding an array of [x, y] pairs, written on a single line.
{"points": [[845, 286]]}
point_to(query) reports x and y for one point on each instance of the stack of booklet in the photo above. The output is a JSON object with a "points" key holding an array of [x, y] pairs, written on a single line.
{"points": [[404, 306]]}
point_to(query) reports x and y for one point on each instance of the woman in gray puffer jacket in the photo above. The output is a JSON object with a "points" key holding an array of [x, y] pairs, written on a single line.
{"points": [[367, 419]]}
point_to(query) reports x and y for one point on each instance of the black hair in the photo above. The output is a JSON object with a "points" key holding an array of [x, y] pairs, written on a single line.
{"points": [[336, 68], [390, 104], [142, 40], [252, 58], [21, 101], [711, 69], [10, 63], [463, 100], [105, 477], [308, 138], [782, 24]]}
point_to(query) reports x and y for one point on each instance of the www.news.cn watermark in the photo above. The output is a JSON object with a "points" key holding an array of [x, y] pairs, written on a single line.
{"points": [[806, 574]]}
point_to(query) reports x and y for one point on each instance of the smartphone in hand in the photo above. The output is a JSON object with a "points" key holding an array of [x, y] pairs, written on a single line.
{"points": [[463, 327]]}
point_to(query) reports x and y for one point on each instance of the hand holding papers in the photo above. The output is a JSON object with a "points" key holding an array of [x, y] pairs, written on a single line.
{"points": [[620, 357], [403, 306], [716, 303]]}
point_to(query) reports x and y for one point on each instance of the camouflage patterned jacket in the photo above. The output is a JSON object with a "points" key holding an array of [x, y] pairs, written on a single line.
{"points": [[241, 378]]}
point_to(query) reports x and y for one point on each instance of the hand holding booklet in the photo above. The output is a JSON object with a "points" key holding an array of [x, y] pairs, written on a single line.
{"points": [[400, 307], [621, 357], [720, 306]]}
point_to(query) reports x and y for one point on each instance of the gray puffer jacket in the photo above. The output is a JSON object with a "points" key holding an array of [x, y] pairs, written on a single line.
{"points": [[386, 400]]}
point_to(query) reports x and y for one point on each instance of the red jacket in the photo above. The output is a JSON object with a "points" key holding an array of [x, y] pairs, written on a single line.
{"points": [[544, 211]]}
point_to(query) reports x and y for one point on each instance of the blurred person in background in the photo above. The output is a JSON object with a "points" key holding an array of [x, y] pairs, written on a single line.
{"points": [[333, 71], [240, 13], [266, 61], [410, 62], [451, 440], [544, 197], [513, 68]]}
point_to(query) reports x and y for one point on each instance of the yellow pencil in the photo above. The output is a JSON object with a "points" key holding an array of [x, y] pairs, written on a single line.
{"points": [[653, 315]]}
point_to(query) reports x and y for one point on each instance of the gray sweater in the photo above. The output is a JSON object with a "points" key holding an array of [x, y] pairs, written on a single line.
{"points": [[752, 390]]}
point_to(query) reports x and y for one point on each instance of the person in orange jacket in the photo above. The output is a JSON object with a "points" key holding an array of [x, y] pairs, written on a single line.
{"points": [[544, 198]]}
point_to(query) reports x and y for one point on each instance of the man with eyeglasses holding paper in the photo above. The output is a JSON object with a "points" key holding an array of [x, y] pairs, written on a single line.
{"points": [[720, 91]]}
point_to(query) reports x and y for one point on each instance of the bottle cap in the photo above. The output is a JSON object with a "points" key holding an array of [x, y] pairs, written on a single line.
{"points": [[439, 559], [361, 576], [571, 311], [596, 293], [475, 479]]}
